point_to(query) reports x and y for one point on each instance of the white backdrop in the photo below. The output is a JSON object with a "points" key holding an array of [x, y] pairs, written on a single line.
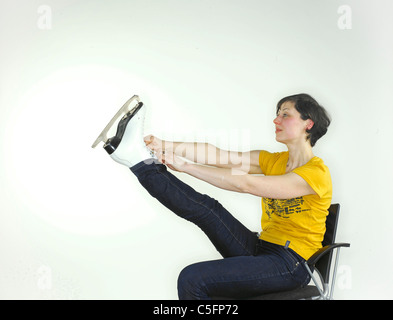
{"points": [[75, 225]]}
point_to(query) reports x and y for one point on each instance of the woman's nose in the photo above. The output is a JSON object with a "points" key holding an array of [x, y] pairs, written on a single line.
{"points": [[277, 120]]}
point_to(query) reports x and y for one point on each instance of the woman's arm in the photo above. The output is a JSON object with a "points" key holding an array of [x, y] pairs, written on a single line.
{"points": [[208, 154], [285, 186]]}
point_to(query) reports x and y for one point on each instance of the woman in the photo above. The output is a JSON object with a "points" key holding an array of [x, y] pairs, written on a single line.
{"points": [[295, 188]]}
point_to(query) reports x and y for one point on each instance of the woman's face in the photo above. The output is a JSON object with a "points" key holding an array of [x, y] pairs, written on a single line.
{"points": [[290, 127]]}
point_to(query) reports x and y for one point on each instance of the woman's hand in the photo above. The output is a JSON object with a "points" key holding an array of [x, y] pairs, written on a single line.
{"points": [[154, 143], [165, 153], [172, 161]]}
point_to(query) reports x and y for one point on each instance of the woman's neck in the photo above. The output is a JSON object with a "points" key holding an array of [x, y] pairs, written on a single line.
{"points": [[299, 156]]}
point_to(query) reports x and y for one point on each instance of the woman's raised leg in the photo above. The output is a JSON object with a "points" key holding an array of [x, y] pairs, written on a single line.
{"points": [[228, 235]]}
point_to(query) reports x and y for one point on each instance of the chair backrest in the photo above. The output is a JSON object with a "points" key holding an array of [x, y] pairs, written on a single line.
{"points": [[323, 264]]}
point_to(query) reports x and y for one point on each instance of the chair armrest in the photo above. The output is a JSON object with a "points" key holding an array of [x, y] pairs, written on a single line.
{"points": [[321, 252]]}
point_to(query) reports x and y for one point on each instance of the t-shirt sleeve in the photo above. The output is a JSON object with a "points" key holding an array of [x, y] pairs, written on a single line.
{"points": [[317, 175], [264, 160]]}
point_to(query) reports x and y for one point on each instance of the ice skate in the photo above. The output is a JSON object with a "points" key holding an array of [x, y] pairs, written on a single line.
{"points": [[128, 108], [127, 146]]}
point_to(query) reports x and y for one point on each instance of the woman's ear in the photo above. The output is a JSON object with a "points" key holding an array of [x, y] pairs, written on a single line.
{"points": [[310, 124]]}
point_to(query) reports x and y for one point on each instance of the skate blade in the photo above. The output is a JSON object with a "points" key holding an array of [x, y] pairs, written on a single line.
{"points": [[121, 113]]}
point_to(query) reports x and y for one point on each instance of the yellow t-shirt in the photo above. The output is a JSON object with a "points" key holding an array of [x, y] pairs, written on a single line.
{"points": [[299, 220]]}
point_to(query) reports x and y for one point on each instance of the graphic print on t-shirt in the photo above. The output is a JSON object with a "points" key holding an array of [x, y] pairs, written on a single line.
{"points": [[283, 208]]}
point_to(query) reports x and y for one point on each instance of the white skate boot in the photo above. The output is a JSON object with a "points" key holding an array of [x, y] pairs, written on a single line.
{"points": [[127, 146]]}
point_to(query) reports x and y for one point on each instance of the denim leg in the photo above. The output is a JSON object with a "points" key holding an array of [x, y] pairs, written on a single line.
{"points": [[271, 270], [228, 235]]}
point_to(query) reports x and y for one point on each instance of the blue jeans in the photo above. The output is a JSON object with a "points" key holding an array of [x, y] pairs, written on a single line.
{"points": [[250, 266]]}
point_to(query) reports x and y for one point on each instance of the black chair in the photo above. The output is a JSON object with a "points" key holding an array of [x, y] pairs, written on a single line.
{"points": [[320, 262]]}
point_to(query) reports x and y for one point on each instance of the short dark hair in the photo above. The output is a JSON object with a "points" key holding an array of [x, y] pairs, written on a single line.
{"points": [[309, 108]]}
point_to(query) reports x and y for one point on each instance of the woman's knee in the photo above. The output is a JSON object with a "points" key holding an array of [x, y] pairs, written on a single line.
{"points": [[190, 284]]}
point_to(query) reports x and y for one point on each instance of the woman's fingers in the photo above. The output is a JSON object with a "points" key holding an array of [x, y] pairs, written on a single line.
{"points": [[164, 155], [149, 139], [153, 142]]}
